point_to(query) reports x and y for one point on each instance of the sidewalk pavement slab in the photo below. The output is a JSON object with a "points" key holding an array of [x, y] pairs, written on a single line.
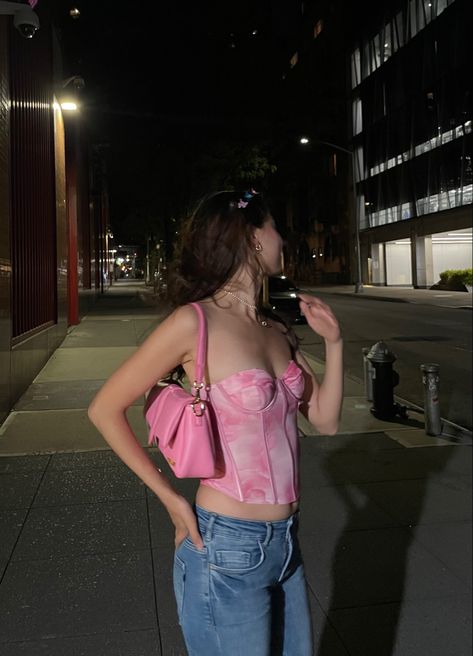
{"points": [[86, 549]]}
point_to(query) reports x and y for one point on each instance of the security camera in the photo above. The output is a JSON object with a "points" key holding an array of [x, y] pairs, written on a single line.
{"points": [[24, 18], [26, 22]]}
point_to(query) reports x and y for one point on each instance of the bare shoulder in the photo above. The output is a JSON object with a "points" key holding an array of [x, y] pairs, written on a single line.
{"points": [[183, 318], [180, 326]]}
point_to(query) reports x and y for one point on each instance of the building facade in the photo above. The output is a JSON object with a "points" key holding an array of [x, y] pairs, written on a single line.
{"points": [[53, 232], [411, 128]]}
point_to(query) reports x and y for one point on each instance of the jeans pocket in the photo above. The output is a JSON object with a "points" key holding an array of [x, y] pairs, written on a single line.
{"points": [[237, 558], [188, 544], [179, 578]]}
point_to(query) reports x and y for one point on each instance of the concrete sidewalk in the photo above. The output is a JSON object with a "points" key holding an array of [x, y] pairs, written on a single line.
{"points": [[86, 549], [460, 300]]}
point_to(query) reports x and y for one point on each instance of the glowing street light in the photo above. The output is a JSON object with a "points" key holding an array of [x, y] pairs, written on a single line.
{"points": [[69, 106]]}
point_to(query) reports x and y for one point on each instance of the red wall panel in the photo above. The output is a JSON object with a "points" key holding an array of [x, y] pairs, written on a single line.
{"points": [[33, 233]]}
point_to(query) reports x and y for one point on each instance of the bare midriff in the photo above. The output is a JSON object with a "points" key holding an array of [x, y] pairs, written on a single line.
{"points": [[215, 501]]}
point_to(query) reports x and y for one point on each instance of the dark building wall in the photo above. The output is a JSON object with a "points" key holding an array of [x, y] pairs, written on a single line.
{"points": [[5, 255], [32, 203], [315, 177], [33, 264]]}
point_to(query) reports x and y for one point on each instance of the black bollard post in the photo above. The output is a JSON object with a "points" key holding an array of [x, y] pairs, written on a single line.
{"points": [[431, 380], [367, 374]]}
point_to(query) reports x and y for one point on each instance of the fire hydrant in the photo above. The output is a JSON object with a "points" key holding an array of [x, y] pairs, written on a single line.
{"points": [[384, 380]]}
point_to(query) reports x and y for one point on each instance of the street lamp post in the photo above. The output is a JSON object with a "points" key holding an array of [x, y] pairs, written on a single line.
{"points": [[72, 141], [359, 280]]}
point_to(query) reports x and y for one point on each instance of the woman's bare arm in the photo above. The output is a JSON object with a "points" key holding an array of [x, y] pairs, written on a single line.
{"points": [[170, 344], [322, 403]]}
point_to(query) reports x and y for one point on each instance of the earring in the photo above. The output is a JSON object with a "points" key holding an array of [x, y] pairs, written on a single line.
{"points": [[258, 247]]}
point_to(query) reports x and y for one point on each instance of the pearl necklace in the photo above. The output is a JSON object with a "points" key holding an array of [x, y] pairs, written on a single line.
{"points": [[263, 322]]}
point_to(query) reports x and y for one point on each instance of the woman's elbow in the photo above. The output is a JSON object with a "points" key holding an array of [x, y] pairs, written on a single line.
{"points": [[101, 411], [93, 412], [332, 429], [326, 428], [97, 410]]}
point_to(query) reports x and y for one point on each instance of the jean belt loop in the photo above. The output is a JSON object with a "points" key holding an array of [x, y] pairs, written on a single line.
{"points": [[209, 527], [269, 534]]}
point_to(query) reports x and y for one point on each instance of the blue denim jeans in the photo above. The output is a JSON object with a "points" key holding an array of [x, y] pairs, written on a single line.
{"points": [[245, 593]]}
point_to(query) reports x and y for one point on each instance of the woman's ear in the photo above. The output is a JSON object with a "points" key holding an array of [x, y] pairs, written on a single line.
{"points": [[255, 240]]}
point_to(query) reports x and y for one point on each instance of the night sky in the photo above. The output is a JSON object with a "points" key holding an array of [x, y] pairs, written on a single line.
{"points": [[172, 87], [179, 59], [167, 83]]}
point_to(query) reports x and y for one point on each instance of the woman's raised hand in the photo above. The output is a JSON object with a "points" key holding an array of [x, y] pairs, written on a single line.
{"points": [[320, 317], [184, 520]]}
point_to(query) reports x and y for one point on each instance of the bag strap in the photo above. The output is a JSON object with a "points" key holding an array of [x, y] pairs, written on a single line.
{"points": [[201, 356]]}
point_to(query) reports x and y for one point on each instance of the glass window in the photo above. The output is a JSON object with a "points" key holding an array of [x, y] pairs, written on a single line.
{"points": [[376, 52], [398, 25], [359, 168], [421, 15], [429, 8], [388, 42], [412, 19], [366, 60], [357, 116], [355, 68], [441, 5]]}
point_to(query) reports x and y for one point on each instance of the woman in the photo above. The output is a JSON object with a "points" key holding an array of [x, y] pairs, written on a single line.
{"points": [[238, 573]]}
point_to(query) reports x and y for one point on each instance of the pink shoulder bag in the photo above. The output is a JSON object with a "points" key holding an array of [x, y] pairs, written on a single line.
{"points": [[181, 423]]}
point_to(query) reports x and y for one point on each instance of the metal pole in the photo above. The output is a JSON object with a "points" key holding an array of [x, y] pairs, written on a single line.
{"points": [[359, 279], [430, 380], [368, 374]]}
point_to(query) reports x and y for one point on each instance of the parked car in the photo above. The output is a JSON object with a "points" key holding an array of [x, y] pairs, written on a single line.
{"points": [[283, 299]]}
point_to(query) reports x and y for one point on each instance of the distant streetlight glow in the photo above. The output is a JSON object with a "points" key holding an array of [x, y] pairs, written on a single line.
{"points": [[304, 140]]}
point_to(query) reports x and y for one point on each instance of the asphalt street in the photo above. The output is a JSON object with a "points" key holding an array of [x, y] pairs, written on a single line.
{"points": [[416, 334]]}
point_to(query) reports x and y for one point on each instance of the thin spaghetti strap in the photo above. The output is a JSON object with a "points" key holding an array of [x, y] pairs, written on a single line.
{"points": [[201, 345]]}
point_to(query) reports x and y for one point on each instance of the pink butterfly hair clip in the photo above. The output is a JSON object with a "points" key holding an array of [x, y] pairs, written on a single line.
{"points": [[247, 196]]}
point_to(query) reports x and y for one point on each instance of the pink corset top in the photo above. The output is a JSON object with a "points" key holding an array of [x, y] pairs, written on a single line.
{"points": [[256, 416]]}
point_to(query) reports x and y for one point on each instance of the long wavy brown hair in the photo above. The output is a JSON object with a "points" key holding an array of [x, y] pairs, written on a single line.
{"points": [[215, 242]]}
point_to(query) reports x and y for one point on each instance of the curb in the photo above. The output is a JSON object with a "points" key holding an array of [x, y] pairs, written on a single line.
{"points": [[366, 297]]}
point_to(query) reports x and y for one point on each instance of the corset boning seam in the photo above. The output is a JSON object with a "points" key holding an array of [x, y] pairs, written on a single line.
{"points": [[268, 459], [228, 457]]}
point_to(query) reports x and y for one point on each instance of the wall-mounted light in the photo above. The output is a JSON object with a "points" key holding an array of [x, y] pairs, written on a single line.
{"points": [[69, 106]]}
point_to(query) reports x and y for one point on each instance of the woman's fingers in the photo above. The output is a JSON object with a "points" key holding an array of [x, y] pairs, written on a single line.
{"points": [[306, 298], [190, 531], [196, 537], [185, 521], [312, 301]]}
